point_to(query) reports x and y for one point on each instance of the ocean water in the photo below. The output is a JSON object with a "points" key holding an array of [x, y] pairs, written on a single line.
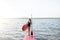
{"points": [[44, 29]]}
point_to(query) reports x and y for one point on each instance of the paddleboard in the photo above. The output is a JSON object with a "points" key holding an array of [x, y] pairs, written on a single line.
{"points": [[29, 37]]}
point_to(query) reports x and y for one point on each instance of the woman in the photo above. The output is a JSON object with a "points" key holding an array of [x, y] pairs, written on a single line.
{"points": [[29, 26]]}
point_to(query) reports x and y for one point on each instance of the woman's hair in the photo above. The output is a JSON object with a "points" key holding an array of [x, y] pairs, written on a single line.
{"points": [[29, 22]]}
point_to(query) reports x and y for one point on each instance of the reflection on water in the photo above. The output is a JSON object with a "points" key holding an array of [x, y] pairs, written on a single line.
{"points": [[44, 29]]}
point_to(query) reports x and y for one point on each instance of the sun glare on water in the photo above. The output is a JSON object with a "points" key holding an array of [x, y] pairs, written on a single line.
{"points": [[3, 23]]}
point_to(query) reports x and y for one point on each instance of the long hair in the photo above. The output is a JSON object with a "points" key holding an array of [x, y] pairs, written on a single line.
{"points": [[29, 22]]}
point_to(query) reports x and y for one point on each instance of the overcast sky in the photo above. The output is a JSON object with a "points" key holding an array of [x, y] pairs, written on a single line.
{"points": [[24, 8]]}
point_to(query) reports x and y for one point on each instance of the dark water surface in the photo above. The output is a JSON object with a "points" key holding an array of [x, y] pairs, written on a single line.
{"points": [[44, 29]]}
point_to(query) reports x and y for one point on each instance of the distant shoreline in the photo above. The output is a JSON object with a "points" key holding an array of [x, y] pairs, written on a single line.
{"points": [[32, 18]]}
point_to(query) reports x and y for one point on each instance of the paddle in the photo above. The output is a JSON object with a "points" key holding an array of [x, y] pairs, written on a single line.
{"points": [[31, 26], [24, 27]]}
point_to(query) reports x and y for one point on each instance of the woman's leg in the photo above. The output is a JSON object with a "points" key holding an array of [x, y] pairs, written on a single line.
{"points": [[29, 31]]}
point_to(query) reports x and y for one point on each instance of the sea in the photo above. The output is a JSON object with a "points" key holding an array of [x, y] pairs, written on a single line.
{"points": [[43, 28]]}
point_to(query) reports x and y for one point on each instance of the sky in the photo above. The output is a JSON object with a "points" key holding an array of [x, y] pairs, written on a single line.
{"points": [[24, 8]]}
